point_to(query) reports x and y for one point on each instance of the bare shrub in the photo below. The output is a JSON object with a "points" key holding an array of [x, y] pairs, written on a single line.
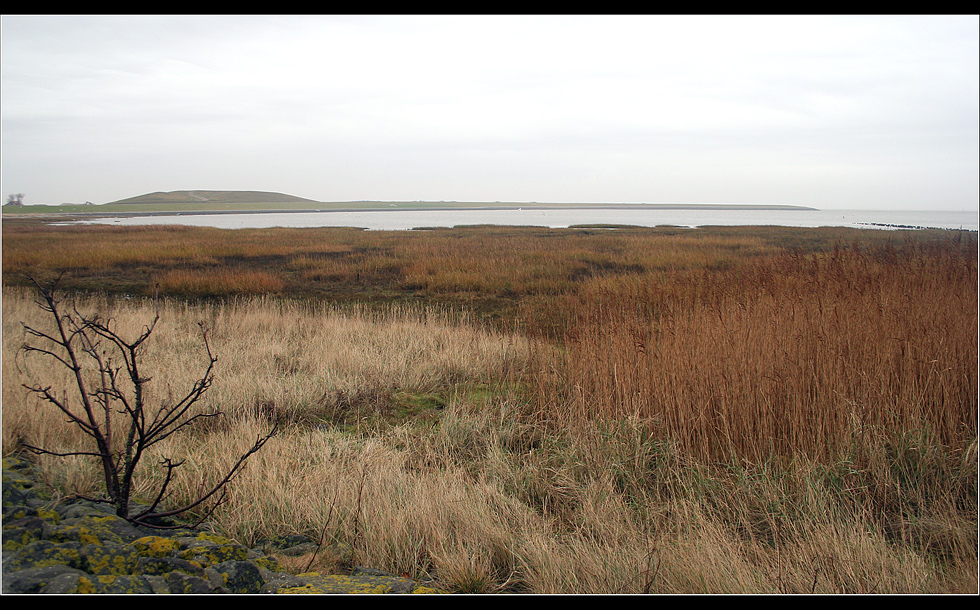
{"points": [[110, 407]]}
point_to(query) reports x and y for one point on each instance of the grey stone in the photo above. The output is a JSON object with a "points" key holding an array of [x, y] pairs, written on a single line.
{"points": [[37, 579]]}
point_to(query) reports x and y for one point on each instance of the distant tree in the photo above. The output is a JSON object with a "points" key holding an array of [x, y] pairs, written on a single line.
{"points": [[17, 199]]}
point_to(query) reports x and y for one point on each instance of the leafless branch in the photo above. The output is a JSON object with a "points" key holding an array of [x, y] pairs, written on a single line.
{"points": [[118, 390]]}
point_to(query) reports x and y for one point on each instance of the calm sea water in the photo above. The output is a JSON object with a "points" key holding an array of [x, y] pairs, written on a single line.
{"points": [[564, 217]]}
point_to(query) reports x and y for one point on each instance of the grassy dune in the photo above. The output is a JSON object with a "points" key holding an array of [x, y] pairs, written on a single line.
{"points": [[729, 410]]}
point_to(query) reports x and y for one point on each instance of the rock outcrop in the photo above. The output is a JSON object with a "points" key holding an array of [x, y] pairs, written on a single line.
{"points": [[80, 547]]}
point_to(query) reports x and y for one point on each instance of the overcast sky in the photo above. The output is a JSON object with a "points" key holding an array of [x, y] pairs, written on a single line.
{"points": [[873, 112]]}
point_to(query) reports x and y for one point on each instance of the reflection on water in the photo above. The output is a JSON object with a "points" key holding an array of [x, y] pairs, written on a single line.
{"points": [[564, 217]]}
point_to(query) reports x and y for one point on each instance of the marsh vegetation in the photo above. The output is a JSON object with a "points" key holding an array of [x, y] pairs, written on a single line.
{"points": [[584, 410]]}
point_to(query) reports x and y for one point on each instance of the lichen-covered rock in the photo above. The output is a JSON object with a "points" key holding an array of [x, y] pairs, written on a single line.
{"points": [[337, 583], [43, 553], [95, 529], [80, 546], [274, 581], [240, 576], [360, 581], [156, 546], [110, 558], [80, 509], [161, 566], [209, 549], [20, 532], [39, 579], [17, 481], [265, 563], [181, 583], [112, 584]]}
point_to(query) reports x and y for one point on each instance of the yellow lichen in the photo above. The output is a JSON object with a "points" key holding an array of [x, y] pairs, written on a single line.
{"points": [[213, 538], [304, 590], [85, 586], [269, 563], [156, 546], [426, 590], [48, 515], [335, 583]]}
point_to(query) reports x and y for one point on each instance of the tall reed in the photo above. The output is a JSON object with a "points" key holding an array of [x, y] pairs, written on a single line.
{"points": [[785, 355]]}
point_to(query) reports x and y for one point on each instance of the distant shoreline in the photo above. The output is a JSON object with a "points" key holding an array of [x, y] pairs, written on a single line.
{"points": [[390, 207]]}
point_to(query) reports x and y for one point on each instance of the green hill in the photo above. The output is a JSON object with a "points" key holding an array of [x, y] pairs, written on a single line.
{"points": [[213, 197]]}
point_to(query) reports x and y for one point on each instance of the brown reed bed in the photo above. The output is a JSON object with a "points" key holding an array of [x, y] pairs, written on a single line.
{"points": [[860, 362], [785, 355]]}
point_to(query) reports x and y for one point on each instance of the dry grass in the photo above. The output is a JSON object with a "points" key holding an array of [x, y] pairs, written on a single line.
{"points": [[218, 283], [461, 263], [288, 360], [734, 420]]}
